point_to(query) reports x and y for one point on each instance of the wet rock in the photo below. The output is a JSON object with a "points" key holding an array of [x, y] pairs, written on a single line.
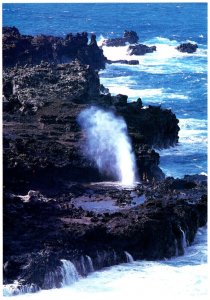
{"points": [[182, 184], [130, 37], [141, 49], [124, 61], [120, 100], [187, 47], [104, 90], [43, 233]]}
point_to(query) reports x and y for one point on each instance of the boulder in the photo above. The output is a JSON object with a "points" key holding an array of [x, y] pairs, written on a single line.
{"points": [[141, 49], [130, 37], [187, 47], [158, 126]]}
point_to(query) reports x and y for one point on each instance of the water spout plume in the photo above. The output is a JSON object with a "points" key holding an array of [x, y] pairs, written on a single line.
{"points": [[108, 144]]}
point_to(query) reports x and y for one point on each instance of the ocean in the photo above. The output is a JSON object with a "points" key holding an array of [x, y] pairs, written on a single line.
{"points": [[174, 80]]}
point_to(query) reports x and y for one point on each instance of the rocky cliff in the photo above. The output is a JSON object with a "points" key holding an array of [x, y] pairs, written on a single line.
{"points": [[41, 132]]}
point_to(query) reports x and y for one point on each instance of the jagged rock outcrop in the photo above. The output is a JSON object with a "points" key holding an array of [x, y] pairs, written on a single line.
{"points": [[140, 49], [130, 37], [25, 49], [187, 47], [158, 126]]}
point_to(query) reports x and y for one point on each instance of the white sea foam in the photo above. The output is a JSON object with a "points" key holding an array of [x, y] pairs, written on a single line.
{"points": [[135, 93], [190, 155], [116, 53], [128, 86], [100, 40], [166, 60], [193, 131]]}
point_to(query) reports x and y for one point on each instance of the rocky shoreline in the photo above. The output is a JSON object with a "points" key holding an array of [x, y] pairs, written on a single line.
{"points": [[56, 203], [102, 222]]}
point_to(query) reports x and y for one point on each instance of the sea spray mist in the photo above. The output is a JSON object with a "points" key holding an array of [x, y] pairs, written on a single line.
{"points": [[108, 145]]}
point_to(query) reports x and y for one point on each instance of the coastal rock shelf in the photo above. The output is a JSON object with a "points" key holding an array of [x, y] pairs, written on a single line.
{"points": [[51, 228]]}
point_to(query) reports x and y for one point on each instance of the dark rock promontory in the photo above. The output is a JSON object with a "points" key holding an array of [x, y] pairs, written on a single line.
{"points": [[42, 135], [26, 49]]}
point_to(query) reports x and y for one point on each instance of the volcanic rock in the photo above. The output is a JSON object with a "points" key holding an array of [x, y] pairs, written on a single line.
{"points": [[124, 61], [24, 49], [187, 47], [35, 87], [43, 140], [130, 37], [140, 49], [46, 231]]}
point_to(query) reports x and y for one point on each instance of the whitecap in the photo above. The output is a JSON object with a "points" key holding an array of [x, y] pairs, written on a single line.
{"points": [[133, 94], [100, 40], [116, 53], [165, 60]]}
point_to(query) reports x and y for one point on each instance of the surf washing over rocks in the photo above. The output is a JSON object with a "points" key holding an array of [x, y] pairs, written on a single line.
{"points": [[183, 276], [173, 80]]}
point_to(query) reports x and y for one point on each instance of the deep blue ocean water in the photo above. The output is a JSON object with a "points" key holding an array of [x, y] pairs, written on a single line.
{"points": [[166, 77]]}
